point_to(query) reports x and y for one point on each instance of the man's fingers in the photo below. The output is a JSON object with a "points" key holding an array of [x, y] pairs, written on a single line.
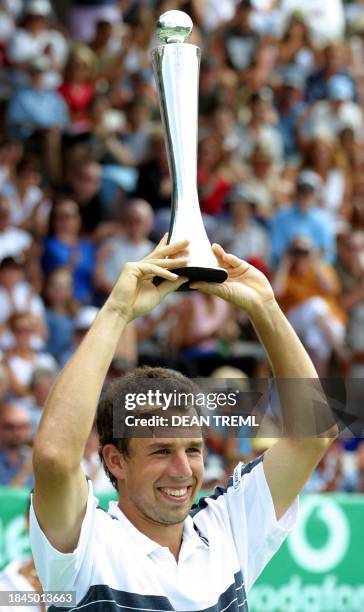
{"points": [[169, 249], [150, 269], [228, 260], [179, 262]]}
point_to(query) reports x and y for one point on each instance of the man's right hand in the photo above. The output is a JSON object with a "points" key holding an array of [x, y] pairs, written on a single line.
{"points": [[134, 293], [246, 287]]}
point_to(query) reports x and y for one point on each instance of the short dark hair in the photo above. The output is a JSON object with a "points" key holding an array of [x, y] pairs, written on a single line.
{"points": [[139, 380]]}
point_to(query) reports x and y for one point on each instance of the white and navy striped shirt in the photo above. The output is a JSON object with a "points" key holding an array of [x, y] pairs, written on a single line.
{"points": [[228, 538]]}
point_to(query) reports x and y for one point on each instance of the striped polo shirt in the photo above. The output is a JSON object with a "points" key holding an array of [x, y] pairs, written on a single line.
{"points": [[228, 538]]}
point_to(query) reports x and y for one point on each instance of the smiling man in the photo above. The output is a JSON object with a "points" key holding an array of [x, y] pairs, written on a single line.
{"points": [[154, 551]]}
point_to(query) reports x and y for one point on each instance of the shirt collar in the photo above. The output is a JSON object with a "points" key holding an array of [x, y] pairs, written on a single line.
{"points": [[191, 535]]}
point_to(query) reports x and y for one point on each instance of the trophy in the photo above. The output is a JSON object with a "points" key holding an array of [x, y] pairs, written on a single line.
{"points": [[176, 67]]}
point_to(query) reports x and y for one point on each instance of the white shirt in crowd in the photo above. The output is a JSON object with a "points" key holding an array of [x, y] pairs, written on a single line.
{"points": [[228, 538], [13, 242]]}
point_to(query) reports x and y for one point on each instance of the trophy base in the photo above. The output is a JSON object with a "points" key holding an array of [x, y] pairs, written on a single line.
{"points": [[194, 274]]}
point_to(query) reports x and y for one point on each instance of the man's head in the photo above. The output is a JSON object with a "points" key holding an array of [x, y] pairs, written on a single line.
{"points": [[138, 220], [15, 426], [157, 477]]}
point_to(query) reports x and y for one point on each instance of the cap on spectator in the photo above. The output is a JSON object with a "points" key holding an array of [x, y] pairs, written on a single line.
{"points": [[309, 178], [292, 77], [340, 87], [41, 8], [243, 193], [85, 317]]}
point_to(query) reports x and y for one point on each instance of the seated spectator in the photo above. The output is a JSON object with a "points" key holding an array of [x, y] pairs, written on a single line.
{"points": [[22, 360], [28, 200], [33, 107], [40, 385], [83, 181], [61, 309], [350, 269], [10, 153], [78, 88], [303, 218], [322, 156], [17, 296], [16, 469], [262, 175], [307, 289], [154, 182], [296, 46], [214, 175], [35, 37], [203, 322], [91, 464], [291, 109], [325, 21], [239, 233], [338, 110], [64, 248], [333, 64], [14, 242], [261, 127], [131, 245]]}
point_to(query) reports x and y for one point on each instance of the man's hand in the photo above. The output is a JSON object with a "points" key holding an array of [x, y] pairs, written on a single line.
{"points": [[134, 293], [245, 287]]}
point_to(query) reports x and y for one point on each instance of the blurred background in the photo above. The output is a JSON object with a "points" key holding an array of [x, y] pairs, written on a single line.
{"points": [[85, 187]]}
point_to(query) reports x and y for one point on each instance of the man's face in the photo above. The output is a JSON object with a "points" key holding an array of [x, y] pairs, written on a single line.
{"points": [[161, 478]]}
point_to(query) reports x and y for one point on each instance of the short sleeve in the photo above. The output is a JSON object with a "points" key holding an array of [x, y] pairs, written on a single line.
{"points": [[59, 571], [257, 533]]}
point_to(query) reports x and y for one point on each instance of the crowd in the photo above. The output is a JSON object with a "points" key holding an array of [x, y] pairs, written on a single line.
{"points": [[85, 187]]}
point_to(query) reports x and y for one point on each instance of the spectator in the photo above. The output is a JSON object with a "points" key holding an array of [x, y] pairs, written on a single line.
{"points": [[84, 183], [240, 233], [15, 454], [303, 218], [65, 248], [296, 47], [131, 245], [291, 110], [17, 296], [78, 88], [307, 289], [326, 21], [333, 64], [14, 241], [61, 309], [28, 200], [40, 386], [350, 269], [34, 107], [35, 38], [21, 360]]}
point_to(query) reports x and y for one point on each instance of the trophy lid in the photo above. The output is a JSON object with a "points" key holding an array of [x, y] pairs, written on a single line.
{"points": [[174, 27]]}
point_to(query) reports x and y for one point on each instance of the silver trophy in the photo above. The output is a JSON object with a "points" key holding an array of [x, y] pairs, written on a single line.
{"points": [[176, 66]]}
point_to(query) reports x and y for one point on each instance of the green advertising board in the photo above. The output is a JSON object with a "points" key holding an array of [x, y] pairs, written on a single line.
{"points": [[320, 568]]}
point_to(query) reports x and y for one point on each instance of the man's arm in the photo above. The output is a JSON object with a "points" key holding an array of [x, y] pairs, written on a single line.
{"points": [[289, 463], [60, 492]]}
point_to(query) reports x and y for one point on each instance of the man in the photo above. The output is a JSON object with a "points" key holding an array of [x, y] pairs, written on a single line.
{"points": [[304, 218], [15, 454], [154, 555]]}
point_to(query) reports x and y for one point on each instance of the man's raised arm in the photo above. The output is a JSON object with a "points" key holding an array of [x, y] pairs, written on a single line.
{"points": [[290, 462], [60, 491]]}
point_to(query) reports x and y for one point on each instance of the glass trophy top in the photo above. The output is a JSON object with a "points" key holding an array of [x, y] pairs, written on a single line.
{"points": [[174, 27]]}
